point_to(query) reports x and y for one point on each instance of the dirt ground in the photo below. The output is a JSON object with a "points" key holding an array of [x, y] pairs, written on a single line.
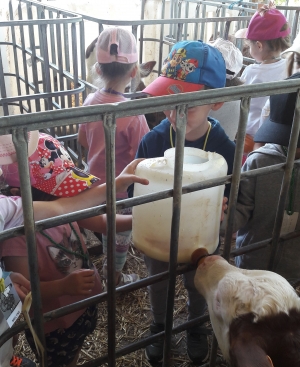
{"points": [[132, 320]]}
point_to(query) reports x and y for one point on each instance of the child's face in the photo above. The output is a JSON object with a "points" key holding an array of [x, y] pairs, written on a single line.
{"points": [[296, 63], [196, 120]]}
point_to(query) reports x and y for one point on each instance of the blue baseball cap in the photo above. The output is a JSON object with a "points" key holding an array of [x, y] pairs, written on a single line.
{"points": [[190, 66]]}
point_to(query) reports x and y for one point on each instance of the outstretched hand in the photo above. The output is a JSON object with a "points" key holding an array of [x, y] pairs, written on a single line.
{"points": [[21, 284], [127, 176], [79, 283]]}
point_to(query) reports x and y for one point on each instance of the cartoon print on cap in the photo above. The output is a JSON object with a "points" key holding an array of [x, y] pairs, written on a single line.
{"points": [[178, 66], [187, 66], [53, 171], [169, 67]]}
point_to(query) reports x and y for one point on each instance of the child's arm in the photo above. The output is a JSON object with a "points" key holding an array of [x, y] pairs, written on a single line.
{"points": [[79, 282], [88, 198], [82, 138], [98, 224]]}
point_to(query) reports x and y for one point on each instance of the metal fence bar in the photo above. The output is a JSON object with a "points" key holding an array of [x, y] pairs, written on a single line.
{"points": [[109, 124]]}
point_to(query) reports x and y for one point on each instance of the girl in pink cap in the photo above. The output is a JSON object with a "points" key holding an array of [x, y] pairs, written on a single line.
{"points": [[269, 35], [65, 270], [116, 65]]}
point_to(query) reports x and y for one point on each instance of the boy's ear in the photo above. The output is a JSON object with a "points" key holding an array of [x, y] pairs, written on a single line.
{"points": [[217, 106]]}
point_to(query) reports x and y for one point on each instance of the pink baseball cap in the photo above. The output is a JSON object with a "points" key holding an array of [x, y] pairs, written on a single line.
{"points": [[266, 24], [51, 170], [116, 45], [7, 149]]}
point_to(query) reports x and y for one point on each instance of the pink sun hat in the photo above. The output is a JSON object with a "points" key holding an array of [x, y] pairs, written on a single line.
{"points": [[7, 149], [51, 170], [116, 45], [266, 24]]}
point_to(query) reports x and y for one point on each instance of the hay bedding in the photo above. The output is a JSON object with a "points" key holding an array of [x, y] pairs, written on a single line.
{"points": [[133, 318]]}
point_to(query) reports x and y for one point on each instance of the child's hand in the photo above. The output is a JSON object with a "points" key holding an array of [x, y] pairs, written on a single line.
{"points": [[79, 283], [21, 284], [127, 176], [224, 207]]}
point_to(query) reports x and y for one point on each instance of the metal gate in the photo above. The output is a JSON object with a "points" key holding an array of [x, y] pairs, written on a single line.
{"points": [[56, 117]]}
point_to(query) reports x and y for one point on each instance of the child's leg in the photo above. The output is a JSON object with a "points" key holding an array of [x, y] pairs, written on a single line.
{"points": [[123, 240], [64, 345]]}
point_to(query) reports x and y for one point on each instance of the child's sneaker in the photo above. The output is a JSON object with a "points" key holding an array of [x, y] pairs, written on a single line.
{"points": [[21, 362], [127, 279], [124, 280]]}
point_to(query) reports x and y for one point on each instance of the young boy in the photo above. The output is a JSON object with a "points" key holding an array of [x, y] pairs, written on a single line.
{"points": [[258, 197], [206, 69]]}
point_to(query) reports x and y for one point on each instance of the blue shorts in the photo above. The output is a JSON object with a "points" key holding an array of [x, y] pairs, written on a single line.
{"points": [[64, 344]]}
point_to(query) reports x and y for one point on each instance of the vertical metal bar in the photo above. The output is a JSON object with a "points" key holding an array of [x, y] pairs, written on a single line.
{"points": [[179, 32], [14, 47], [33, 59], [161, 36], [285, 184], [236, 174], [202, 28], [109, 124], [25, 65], [185, 32], [60, 67], [67, 57], [171, 16], [82, 55], [3, 93], [53, 55], [181, 115], [74, 128], [197, 12], [142, 31], [19, 137]]}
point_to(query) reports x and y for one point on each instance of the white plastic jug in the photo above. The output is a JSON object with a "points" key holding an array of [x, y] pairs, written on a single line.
{"points": [[200, 210]]}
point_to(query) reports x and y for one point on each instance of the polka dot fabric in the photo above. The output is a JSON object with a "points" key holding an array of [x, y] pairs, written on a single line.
{"points": [[53, 171]]}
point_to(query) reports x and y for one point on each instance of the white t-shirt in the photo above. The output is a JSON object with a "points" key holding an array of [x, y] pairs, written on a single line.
{"points": [[11, 215], [261, 73]]}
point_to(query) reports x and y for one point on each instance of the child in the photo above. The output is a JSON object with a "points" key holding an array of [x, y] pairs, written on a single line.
{"points": [[258, 197], [65, 270], [229, 113], [116, 64], [268, 35], [11, 215], [202, 132], [293, 66]]}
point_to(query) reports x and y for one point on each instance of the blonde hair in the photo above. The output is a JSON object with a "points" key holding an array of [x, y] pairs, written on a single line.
{"points": [[281, 43]]}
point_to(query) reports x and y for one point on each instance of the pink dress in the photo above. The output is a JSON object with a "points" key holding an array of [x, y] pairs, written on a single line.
{"points": [[129, 132]]}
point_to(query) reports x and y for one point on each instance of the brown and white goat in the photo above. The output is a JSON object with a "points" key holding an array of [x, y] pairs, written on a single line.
{"points": [[255, 314]]}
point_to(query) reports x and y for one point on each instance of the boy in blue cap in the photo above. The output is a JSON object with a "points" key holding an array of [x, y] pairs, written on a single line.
{"points": [[191, 66]]}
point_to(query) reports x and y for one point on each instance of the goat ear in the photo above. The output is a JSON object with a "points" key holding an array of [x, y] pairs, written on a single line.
{"points": [[146, 68]]}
